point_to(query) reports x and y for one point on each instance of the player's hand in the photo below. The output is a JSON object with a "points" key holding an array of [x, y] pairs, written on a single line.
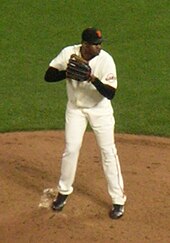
{"points": [[78, 69]]}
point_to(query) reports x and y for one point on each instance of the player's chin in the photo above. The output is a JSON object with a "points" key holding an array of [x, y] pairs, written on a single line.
{"points": [[96, 53]]}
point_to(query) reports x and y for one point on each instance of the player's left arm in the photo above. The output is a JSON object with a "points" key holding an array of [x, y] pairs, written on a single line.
{"points": [[104, 89], [106, 83]]}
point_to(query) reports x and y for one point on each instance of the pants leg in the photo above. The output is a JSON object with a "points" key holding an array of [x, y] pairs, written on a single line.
{"points": [[75, 126], [102, 124]]}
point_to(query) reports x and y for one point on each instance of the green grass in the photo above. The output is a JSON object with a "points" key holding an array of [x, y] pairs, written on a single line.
{"points": [[33, 32]]}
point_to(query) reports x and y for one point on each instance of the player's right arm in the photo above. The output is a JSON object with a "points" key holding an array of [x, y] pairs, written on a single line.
{"points": [[57, 67], [54, 75]]}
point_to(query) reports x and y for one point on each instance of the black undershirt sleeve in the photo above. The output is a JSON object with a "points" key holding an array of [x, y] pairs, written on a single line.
{"points": [[54, 75], [104, 89]]}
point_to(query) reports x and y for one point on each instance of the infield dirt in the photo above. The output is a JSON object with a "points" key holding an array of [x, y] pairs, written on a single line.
{"points": [[30, 162]]}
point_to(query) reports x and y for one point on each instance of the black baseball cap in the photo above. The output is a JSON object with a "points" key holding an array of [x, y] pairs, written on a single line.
{"points": [[92, 36]]}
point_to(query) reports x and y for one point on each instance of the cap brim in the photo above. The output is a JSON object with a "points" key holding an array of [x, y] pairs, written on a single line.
{"points": [[99, 41]]}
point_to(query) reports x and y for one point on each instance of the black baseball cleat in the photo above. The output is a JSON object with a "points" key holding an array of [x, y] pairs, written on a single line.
{"points": [[59, 202], [117, 211]]}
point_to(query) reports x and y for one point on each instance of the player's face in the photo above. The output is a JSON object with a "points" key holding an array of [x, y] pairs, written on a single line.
{"points": [[91, 50]]}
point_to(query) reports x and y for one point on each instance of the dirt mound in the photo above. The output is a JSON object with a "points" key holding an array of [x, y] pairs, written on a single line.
{"points": [[30, 162]]}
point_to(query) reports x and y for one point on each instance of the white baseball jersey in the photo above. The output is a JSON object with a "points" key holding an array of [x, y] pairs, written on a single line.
{"points": [[84, 94]]}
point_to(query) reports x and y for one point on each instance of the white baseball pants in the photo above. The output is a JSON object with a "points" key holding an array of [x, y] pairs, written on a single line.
{"points": [[102, 122]]}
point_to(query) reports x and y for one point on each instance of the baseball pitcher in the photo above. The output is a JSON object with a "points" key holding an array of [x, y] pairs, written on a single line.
{"points": [[91, 83]]}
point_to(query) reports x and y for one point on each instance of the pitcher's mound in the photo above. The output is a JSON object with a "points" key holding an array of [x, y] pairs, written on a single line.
{"points": [[30, 162]]}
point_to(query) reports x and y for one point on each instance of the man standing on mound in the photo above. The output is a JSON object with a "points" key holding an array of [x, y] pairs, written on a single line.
{"points": [[91, 81]]}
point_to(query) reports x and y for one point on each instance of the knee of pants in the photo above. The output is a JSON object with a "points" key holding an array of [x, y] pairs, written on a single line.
{"points": [[108, 153], [72, 149]]}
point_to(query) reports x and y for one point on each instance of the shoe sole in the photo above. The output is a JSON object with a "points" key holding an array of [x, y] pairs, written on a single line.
{"points": [[58, 209], [115, 217]]}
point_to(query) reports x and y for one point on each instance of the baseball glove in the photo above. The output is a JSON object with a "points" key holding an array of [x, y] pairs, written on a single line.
{"points": [[78, 69]]}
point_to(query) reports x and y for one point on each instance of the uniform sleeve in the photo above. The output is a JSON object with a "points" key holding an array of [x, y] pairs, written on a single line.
{"points": [[60, 61], [109, 75]]}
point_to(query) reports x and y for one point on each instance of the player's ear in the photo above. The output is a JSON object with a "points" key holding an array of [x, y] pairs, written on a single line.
{"points": [[84, 43]]}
